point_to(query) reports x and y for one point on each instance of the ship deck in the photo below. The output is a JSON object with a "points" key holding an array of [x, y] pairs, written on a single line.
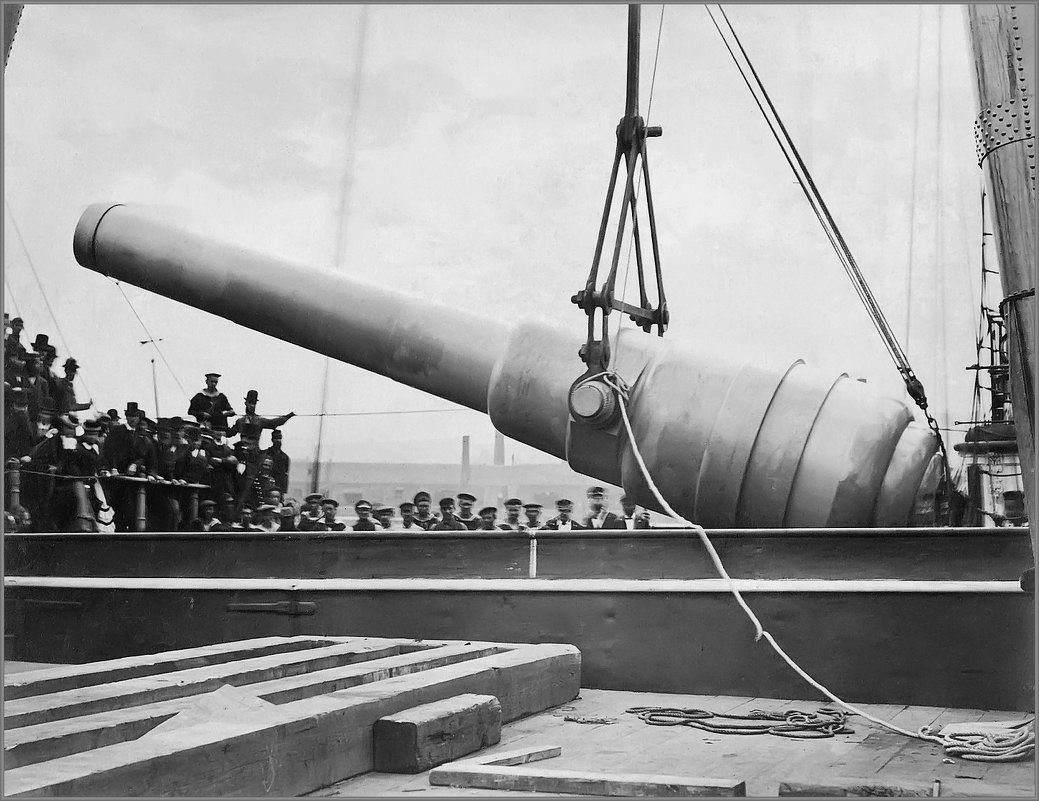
{"points": [[605, 739]]}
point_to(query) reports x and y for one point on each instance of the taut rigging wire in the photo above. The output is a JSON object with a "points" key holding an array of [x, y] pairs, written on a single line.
{"points": [[815, 200], [154, 342], [43, 293]]}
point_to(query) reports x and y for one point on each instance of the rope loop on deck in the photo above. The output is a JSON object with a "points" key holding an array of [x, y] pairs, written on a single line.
{"points": [[992, 743]]}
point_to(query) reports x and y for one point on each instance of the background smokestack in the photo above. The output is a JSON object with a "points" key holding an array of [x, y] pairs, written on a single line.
{"points": [[499, 448], [465, 462]]}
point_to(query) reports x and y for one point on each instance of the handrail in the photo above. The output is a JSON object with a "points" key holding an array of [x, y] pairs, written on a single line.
{"points": [[599, 534]]}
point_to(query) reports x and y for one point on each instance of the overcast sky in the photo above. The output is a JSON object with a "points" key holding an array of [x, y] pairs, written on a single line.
{"points": [[484, 137]]}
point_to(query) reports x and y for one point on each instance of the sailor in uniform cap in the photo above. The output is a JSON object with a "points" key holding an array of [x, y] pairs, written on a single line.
{"points": [[364, 516], [489, 520], [207, 519], [311, 513], [407, 518], [533, 513], [512, 522], [329, 508], [465, 511], [384, 515], [563, 521], [211, 404], [423, 517], [598, 516], [448, 521]]}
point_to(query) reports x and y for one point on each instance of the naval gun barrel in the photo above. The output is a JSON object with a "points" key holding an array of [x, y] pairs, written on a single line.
{"points": [[729, 445]]}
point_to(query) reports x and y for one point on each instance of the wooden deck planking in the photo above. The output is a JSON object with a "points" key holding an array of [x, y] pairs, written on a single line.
{"points": [[160, 687], [289, 749], [762, 761]]}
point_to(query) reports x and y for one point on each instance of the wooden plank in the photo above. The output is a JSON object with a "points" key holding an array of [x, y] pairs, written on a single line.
{"points": [[132, 692], [296, 688], [836, 787], [535, 780], [66, 677], [299, 747], [425, 736]]}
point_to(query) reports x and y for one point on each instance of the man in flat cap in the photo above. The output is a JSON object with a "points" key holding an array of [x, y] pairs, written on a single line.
{"points": [[364, 517], [251, 418], [513, 510], [448, 521], [423, 517], [631, 518], [211, 404], [489, 520], [564, 520], [598, 516], [66, 392], [465, 511], [532, 512]]}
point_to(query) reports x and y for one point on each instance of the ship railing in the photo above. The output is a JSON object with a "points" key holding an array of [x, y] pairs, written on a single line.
{"points": [[116, 487]]}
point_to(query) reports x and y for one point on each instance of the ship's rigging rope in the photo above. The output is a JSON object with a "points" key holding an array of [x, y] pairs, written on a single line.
{"points": [[43, 292], [804, 178], [985, 742], [151, 339]]}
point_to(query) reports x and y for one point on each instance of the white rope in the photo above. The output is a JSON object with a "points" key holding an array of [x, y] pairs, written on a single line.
{"points": [[988, 742]]}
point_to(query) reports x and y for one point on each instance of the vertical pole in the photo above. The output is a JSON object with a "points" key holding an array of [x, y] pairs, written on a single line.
{"points": [[193, 504], [141, 518], [532, 563], [155, 390], [1003, 41], [631, 101], [14, 477]]}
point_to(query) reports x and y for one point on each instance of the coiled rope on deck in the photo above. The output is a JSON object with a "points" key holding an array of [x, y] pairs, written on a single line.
{"points": [[989, 742]]}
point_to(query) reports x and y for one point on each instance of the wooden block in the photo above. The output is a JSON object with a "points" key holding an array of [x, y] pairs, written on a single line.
{"points": [[297, 748], [423, 737]]}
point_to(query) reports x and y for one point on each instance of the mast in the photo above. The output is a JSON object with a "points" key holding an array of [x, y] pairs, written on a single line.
{"points": [[1003, 42], [344, 211]]}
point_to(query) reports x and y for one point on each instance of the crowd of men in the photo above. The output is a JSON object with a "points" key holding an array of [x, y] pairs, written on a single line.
{"points": [[319, 514], [56, 443], [62, 452]]}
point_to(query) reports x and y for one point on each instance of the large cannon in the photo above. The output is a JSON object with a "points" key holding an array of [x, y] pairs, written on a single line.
{"points": [[729, 445]]}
